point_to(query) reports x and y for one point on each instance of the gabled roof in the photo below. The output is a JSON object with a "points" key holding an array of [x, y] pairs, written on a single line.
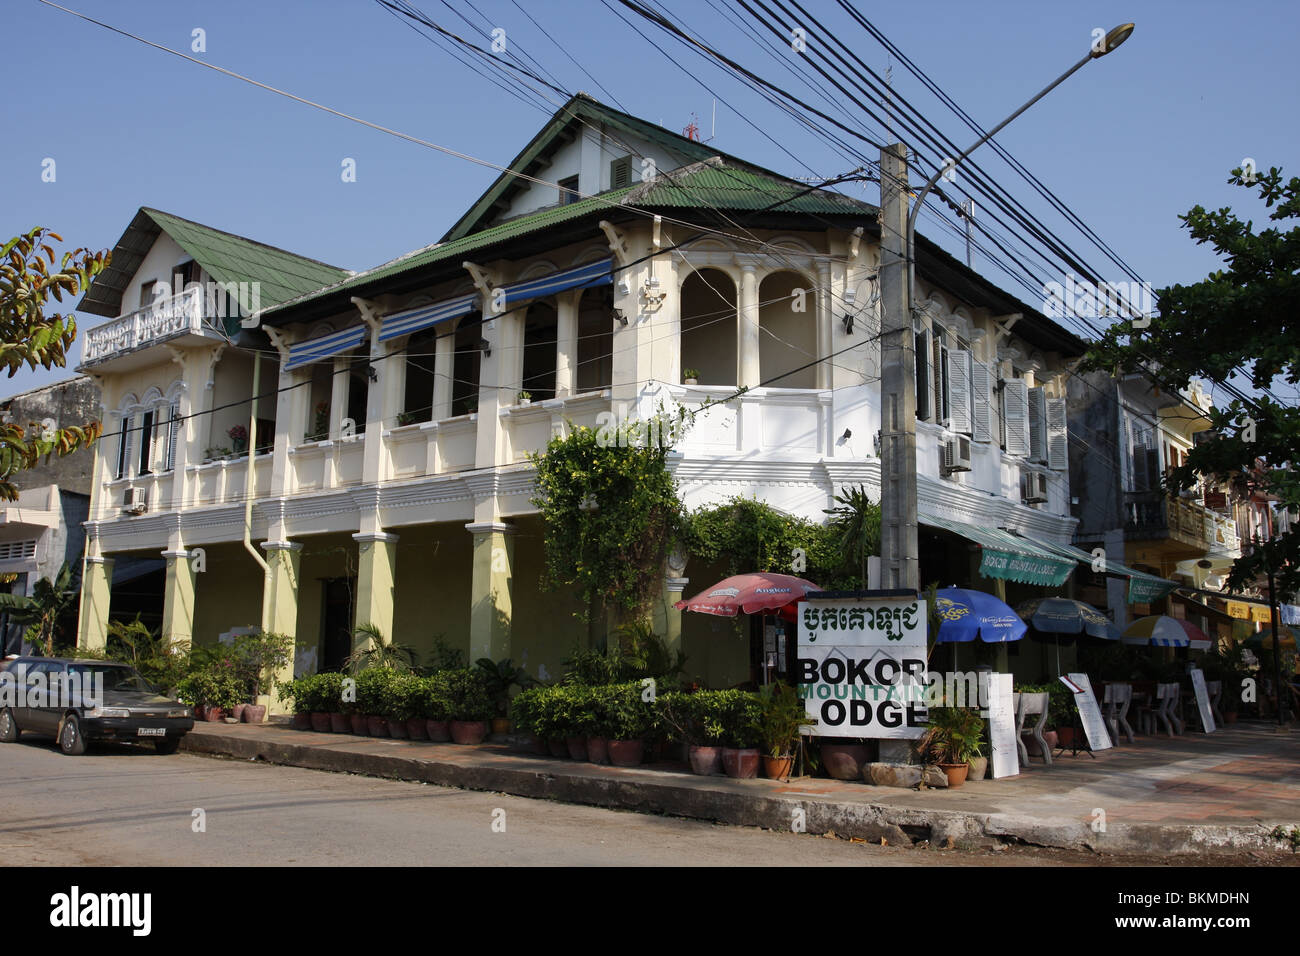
{"points": [[225, 256], [562, 128]]}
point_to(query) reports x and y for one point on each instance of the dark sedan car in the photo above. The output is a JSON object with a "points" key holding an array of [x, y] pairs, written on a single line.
{"points": [[78, 701]]}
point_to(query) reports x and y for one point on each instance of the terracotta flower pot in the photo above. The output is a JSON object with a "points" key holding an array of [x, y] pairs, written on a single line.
{"points": [[539, 746], [359, 727], [1066, 736], [558, 748], [238, 711], [415, 728], [956, 773], [741, 763], [340, 724], [706, 761], [778, 768], [254, 713], [437, 731], [844, 761], [378, 726], [597, 750], [500, 725], [212, 714], [469, 732], [301, 722], [320, 722], [397, 729], [626, 753], [577, 747]]}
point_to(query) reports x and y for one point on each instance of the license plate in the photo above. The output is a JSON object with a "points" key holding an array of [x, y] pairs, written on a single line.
{"points": [[151, 732]]}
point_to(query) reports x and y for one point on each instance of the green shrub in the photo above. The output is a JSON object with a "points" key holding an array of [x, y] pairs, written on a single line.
{"points": [[525, 710], [406, 697], [214, 685], [466, 692], [374, 690]]}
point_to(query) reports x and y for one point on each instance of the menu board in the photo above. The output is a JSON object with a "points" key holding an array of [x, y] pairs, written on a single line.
{"points": [[1089, 713], [1002, 725], [1203, 700]]}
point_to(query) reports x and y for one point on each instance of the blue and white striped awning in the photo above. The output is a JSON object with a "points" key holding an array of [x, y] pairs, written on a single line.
{"points": [[323, 347], [581, 277], [413, 320]]}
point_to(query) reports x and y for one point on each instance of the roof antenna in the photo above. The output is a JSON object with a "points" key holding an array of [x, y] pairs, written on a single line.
{"points": [[713, 130], [692, 130]]}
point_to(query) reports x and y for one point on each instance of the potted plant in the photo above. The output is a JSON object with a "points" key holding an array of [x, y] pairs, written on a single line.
{"points": [[433, 705], [524, 398], [690, 376], [598, 726], [742, 716], [406, 418], [1061, 713], [630, 720], [401, 706], [952, 740], [783, 715], [258, 659], [320, 423], [374, 684], [238, 438], [299, 691], [695, 719], [525, 711], [501, 677], [468, 703]]}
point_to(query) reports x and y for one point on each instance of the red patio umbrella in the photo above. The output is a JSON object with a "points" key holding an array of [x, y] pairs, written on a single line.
{"points": [[752, 594]]}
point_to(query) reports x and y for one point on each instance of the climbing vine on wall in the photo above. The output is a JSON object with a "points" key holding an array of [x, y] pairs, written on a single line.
{"points": [[610, 512]]}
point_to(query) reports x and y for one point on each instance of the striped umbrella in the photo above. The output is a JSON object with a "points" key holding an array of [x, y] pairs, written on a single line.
{"points": [[1161, 630]]}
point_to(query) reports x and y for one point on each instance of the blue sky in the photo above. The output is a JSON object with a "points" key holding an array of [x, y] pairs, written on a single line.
{"points": [[1129, 142]]}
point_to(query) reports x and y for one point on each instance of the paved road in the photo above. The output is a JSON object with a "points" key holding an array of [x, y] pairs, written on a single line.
{"points": [[132, 807]]}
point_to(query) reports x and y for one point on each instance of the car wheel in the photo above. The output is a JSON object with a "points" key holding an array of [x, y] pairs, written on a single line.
{"points": [[71, 742], [8, 726], [168, 745]]}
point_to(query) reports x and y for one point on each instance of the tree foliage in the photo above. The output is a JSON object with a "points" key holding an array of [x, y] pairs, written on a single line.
{"points": [[1246, 315], [42, 609], [610, 514], [32, 336]]}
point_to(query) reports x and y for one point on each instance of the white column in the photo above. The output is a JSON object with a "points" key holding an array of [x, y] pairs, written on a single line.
{"points": [[747, 347], [444, 367], [566, 343]]}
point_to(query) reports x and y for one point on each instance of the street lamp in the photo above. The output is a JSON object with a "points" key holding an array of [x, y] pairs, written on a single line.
{"points": [[1100, 48]]}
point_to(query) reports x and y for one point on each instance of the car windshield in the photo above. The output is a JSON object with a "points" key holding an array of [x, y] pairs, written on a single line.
{"points": [[115, 677]]}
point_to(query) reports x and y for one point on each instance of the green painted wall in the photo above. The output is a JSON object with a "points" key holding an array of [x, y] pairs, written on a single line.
{"points": [[228, 594]]}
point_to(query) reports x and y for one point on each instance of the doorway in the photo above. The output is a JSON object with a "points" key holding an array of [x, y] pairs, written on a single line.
{"points": [[337, 595]]}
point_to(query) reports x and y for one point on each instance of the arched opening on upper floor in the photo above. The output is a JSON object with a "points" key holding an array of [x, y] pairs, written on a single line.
{"points": [[787, 321], [595, 365], [709, 324], [541, 327]]}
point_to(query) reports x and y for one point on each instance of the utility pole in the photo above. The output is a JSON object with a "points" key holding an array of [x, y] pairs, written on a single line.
{"points": [[899, 565]]}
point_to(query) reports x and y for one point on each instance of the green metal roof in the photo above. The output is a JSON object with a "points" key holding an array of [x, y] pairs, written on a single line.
{"points": [[722, 186], [225, 256]]}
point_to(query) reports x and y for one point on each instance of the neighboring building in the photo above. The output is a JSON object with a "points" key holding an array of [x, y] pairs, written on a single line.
{"points": [[43, 528], [390, 482]]}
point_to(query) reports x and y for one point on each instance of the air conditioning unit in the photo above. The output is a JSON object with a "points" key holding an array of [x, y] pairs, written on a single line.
{"points": [[135, 501], [1033, 487], [956, 455]]}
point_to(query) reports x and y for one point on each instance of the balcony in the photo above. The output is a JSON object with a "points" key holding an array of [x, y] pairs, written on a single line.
{"points": [[166, 319], [1150, 516]]}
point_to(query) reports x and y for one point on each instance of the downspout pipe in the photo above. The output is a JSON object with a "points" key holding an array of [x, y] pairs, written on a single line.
{"points": [[249, 481]]}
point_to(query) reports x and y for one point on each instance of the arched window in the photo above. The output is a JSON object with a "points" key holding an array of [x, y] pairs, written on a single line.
{"points": [[787, 322], [708, 327]]}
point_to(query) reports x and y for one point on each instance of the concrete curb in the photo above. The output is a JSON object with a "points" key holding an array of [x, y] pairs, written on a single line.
{"points": [[735, 802]]}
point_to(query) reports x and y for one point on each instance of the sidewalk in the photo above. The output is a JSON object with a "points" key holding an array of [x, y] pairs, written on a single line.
{"points": [[1186, 795]]}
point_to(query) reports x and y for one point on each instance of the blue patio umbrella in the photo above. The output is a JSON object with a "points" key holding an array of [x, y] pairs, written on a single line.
{"points": [[970, 614], [1056, 615]]}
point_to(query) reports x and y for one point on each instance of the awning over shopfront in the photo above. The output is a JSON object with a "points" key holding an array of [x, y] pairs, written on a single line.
{"points": [[1143, 588], [324, 346], [426, 316], [580, 277], [1008, 556]]}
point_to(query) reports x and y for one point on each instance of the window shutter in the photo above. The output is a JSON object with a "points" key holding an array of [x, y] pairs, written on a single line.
{"points": [[922, 344], [959, 410], [174, 429], [981, 391], [1015, 416], [124, 447], [1058, 452], [1037, 425], [620, 172], [936, 370]]}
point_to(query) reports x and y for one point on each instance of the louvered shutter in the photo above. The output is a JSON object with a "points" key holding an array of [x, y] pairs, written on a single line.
{"points": [[174, 428], [124, 447], [936, 370], [1037, 425], [959, 410], [1058, 453], [922, 344], [1015, 416], [981, 398]]}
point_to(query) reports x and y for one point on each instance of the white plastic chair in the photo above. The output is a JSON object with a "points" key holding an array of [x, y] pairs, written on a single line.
{"points": [[1117, 699], [1029, 706], [1214, 689]]}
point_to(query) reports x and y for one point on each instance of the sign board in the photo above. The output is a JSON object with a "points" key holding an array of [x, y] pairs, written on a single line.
{"points": [[1089, 713], [1004, 757], [1203, 700], [861, 666]]}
